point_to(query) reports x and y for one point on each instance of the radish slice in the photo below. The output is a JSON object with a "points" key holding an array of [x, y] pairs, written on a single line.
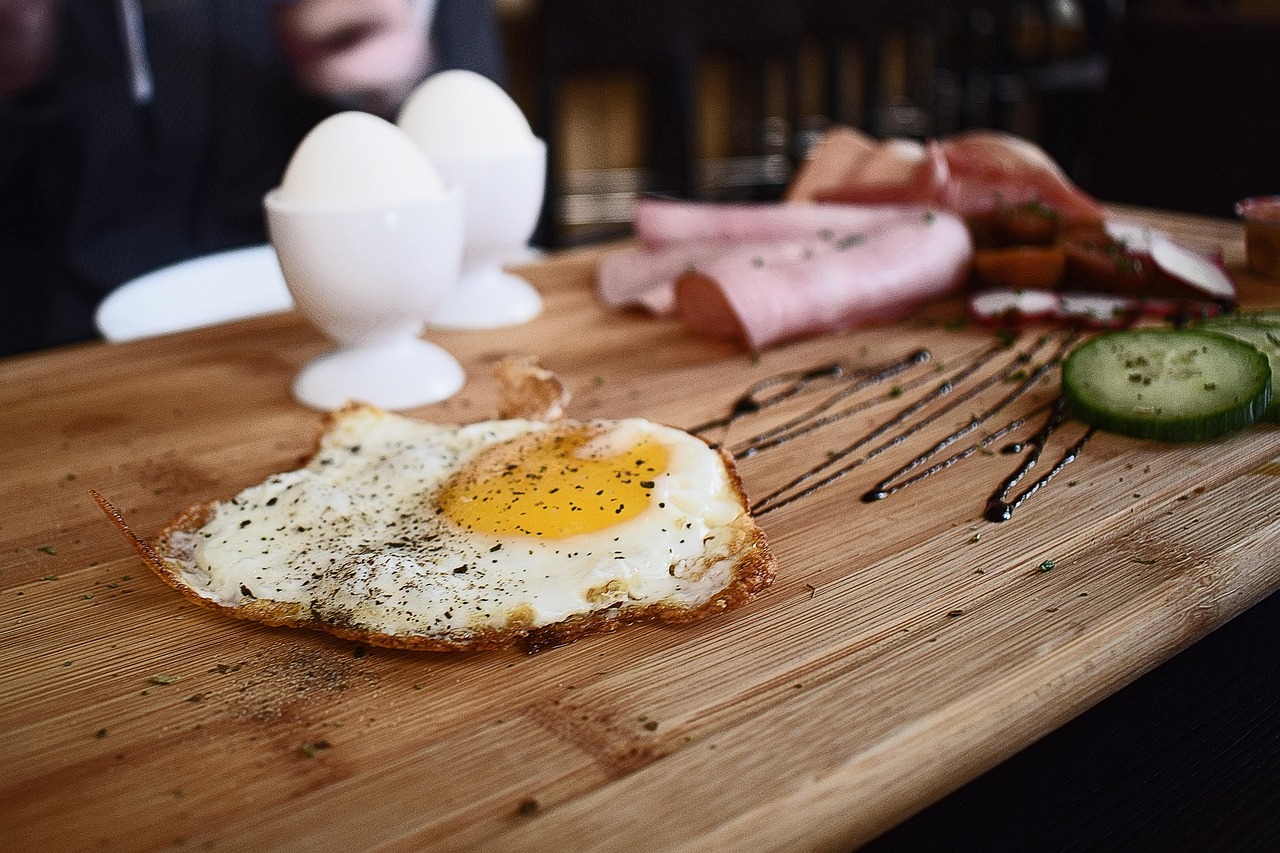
{"points": [[1098, 309], [1013, 306], [1133, 236], [1192, 269]]}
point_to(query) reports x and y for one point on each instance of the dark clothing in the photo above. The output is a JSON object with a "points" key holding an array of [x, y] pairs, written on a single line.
{"points": [[96, 190]]}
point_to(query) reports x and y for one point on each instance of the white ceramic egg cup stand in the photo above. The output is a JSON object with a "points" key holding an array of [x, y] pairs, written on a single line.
{"points": [[370, 279], [503, 196]]}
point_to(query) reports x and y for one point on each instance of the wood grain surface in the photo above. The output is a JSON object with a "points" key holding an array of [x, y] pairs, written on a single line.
{"points": [[907, 646]]}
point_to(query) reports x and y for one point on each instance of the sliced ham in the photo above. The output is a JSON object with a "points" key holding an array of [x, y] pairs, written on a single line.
{"points": [[681, 236], [646, 278], [661, 222], [765, 293]]}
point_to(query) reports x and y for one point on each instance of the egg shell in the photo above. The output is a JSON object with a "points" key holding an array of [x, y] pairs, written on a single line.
{"points": [[462, 115], [355, 160]]}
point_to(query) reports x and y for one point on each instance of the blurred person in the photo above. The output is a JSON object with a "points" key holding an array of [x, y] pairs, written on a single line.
{"points": [[139, 133]]}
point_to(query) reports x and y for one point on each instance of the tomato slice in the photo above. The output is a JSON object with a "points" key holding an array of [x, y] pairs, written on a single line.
{"points": [[1021, 267]]}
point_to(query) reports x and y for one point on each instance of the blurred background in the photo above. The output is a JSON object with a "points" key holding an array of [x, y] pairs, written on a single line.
{"points": [[1160, 102]]}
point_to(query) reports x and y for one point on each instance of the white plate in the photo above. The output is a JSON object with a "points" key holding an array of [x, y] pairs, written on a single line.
{"points": [[200, 292]]}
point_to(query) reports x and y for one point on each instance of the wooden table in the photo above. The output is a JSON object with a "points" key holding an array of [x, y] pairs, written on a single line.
{"points": [[907, 646]]}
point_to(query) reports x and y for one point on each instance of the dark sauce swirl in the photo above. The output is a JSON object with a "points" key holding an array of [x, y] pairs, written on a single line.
{"points": [[1027, 369]]}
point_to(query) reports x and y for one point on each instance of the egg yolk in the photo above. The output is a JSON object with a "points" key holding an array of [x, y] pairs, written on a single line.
{"points": [[546, 484]]}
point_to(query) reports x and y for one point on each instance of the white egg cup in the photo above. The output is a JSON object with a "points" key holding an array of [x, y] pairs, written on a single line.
{"points": [[503, 198], [370, 279]]}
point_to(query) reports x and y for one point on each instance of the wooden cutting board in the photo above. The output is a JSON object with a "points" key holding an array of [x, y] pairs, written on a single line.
{"points": [[907, 646]]}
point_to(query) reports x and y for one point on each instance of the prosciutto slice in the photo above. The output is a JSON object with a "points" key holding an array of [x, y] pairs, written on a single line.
{"points": [[969, 174], [989, 169], [761, 294], [851, 167]]}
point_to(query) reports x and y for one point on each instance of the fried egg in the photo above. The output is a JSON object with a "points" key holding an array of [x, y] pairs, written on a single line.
{"points": [[412, 534]]}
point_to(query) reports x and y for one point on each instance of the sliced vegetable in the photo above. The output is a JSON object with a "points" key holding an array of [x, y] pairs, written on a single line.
{"points": [[1141, 263], [1026, 267], [1003, 306], [1107, 311], [1199, 275], [1266, 315], [1098, 262], [1266, 338], [1167, 384], [1101, 310], [1133, 236], [1030, 224]]}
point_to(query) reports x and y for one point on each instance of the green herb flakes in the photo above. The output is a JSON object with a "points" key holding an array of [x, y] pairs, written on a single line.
{"points": [[312, 748]]}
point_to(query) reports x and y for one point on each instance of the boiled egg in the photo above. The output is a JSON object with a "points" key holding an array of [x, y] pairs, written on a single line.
{"points": [[354, 160]]}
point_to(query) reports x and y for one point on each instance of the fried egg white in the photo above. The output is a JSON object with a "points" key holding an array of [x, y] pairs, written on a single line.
{"points": [[398, 528]]}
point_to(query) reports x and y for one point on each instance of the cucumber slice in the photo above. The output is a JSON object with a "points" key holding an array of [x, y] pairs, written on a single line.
{"points": [[1167, 384], [1263, 335], [1265, 315]]}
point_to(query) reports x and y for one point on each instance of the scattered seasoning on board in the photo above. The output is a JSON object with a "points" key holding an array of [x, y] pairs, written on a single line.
{"points": [[47, 549], [312, 748], [162, 679], [849, 241], [1046, 566], [527, 807]]}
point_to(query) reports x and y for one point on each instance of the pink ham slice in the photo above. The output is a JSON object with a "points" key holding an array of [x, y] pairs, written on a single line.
{"points": [[661, 223], [765, 293], [682, 235], [646, 278]]}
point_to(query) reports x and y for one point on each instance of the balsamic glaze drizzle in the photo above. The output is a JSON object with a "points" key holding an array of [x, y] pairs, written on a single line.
{"points": [[794, 381], [815, 418], [999, 505], [887, 486], [1026, 370]]}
